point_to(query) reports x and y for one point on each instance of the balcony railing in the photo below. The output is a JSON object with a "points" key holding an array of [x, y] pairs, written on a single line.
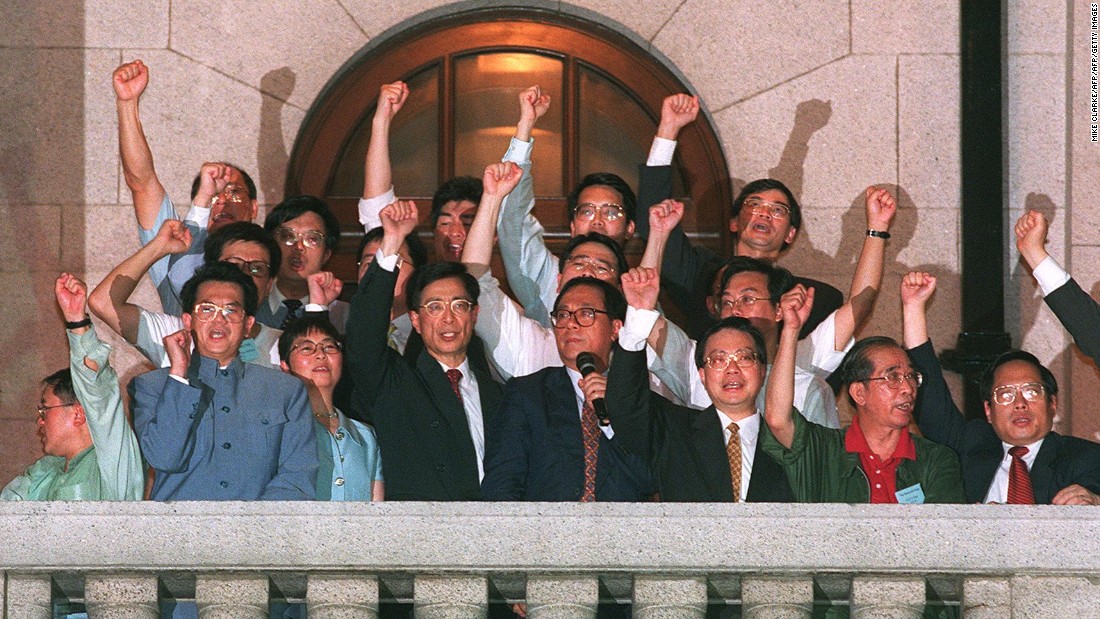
{"points": [[450, 559]]}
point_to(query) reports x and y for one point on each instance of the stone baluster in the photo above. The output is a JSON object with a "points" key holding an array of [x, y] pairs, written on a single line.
{"points": [[121, 596], [232, 596], [887, 597], [29, 596], [342, 596], [777, 597], [562, 597], [450, 597], [986, 598], [669, 598]]}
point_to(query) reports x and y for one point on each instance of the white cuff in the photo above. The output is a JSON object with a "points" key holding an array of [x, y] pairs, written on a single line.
{"points": [[635, 331], [386, 262], [200, 215], [519, 151], [661, 152], [1050, 275], [315, 308], [180, 378]]}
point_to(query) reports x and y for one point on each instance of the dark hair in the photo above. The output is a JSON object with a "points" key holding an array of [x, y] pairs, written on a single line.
{"points": [[61, 382], [310, 321], [458, 189], [246, 232], [857, 365], [614, 302], [607, 179], [767, 184], [434, 272], [417, 251], [220, 272], [295, 207], [985, 384], [733, 323], [249, 184], [780, 280], [621, 264]]}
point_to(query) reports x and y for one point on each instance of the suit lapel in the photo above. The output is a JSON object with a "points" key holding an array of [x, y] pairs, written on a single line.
{"points": [[1042, 470], [442, 394], [708, 449], [563, 422]]}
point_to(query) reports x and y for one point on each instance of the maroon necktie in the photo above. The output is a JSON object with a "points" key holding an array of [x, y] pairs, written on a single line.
{"points": [[455, 376], [1019, 482], [590, 428]]}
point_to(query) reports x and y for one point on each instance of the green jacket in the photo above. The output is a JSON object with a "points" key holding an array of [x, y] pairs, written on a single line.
{"points": [[822, 471]]}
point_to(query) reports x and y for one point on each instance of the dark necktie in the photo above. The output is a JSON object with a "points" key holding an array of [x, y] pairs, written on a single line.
{"points": [[292, 307], [590, 428], [733, 451], [455, 376], [1019, 481]]}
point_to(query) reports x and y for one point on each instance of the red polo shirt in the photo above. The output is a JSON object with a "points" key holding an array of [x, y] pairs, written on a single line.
{"points": [[882, 474]]}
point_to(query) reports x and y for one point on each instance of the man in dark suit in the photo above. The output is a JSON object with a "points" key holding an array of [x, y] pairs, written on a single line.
{"points": [[430, 411], [698, 455], [550, 446], [1011, 456]]}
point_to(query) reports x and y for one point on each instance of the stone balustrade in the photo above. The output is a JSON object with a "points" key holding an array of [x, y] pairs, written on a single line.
{"points": [[451, 559]]}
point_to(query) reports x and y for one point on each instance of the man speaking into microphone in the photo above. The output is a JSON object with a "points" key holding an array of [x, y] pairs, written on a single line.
{"points": [[549, 444]]}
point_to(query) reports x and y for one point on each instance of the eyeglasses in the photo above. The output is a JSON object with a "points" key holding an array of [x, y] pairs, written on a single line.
{"points": [[459, 307], [894, 378], [610, 211], [580, 263], [720, 359], [1006, 394], [310, 348], [232, 194], [585, 317], [206, 312], [309, 238], [255, 268], [42, 409], [763, 207], [741, 301]]}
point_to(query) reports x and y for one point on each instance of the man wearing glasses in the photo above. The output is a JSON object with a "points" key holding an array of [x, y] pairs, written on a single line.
{"points": [[91, 452], [431, 410], [876, 459], [1013, 455], [213, 427], [551, 445]]}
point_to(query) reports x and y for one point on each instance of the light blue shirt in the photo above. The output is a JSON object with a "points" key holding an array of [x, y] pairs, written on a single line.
{"points": [[350, 461]]}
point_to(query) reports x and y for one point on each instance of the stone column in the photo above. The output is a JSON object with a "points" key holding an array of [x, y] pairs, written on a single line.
{"points": [[342, 596], [232, 596], [121, 596], [1038, 597], [986, 598], [885, 597], [777, 597], [450, 597], [562, 597], [667, 598], [29, 596]]}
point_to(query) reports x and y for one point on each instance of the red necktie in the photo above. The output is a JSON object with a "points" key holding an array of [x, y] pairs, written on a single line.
{"points": [[1019, 482], [455, 376], [590, 428]]}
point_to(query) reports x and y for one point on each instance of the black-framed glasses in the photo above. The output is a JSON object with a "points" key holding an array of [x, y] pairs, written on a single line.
{"points": [[721, 359], [205, 312], [775, 210], [894, 378], [309, 238], [42, 409], [459, 307], [1006, 394], [255, 268], [610, 211], [585, 317], [309, 347]]}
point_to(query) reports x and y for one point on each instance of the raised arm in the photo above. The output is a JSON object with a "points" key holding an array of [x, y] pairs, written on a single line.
{"points": [[779, 399], [129, 81], [1031, 238], [655, 177], [916, 290], [377, 170], [881, 208], [110, 299]]}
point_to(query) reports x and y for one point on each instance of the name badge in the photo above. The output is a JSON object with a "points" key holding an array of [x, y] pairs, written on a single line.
{"points": [[913, 494]]}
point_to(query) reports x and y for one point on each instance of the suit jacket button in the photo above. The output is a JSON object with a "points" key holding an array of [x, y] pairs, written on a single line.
{"points": [[441, 467], [339, 481], [224, 484], [435, 424]]}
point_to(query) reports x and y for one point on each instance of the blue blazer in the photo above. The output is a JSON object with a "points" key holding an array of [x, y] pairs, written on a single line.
{"points": [[536, 451]]}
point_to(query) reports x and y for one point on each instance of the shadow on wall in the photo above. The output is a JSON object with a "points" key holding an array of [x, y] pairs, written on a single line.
{"points": [[272, 155]]}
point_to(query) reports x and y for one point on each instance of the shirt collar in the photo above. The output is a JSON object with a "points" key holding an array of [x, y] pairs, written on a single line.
{"points": [[275, 299], [1032, 451], [856, 442]]}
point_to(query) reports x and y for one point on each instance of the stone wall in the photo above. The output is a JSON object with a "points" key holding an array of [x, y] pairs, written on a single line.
{"points": [[827, 96]]}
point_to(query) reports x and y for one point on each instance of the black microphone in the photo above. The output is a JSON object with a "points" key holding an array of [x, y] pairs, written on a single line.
{"points": [[586, 364]]}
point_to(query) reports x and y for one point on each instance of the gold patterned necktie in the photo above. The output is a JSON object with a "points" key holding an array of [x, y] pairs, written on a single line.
{"points": [[733, 451]]}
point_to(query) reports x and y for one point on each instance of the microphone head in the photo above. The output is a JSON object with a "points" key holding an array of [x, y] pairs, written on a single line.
{"points": [[586, 363]]}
